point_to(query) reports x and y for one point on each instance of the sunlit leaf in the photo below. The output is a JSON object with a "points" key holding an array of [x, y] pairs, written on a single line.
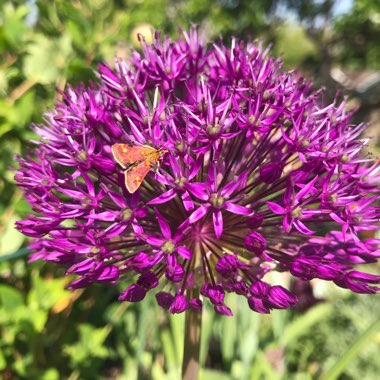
{"points": [[10, 239], [10, 298]]}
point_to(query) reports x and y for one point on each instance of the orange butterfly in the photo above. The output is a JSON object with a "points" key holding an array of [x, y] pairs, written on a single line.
{"points": [[138, 160]]}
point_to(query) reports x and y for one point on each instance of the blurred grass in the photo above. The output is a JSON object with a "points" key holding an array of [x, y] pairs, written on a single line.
{"points": [[49, 333]]}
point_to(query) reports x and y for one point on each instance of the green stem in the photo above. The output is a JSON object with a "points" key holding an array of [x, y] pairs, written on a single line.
{"points": [[192, 342]]}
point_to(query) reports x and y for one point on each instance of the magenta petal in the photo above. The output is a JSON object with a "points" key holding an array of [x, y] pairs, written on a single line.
{"points": [[271, 172], [134, 293], [274, 207], [79, 283], [280, 298], [184, 252], [163, 198], [255, 221], [198, 189], [240, 288], [224, 310], [164, 225], [148, 280], [366, 277], [107, 216], [306, 190], [137, 228], [114, 230], [237, 209], [110, 77], [302, 228], [287, 222], [228, 265], [358, 282], [195, 304], [199, 213], [178, 305], [82, 266], [216, 294], [116, 198], [218, 223], [259, 289], [197, 165], [337, 219], [109, 273], [103, 164], [255, 242], [136, 131], [257, 304], [229, 188], [157, 242], [187, 201], [164, 299], [174, 271], [176, 167], [272, 118], [359, 287], [328, 271]]}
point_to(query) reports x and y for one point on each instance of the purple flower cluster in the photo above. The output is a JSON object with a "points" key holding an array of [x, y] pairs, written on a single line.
{"points": [[258, 176]]}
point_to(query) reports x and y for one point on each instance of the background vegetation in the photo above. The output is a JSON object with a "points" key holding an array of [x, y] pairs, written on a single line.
{"points": [[49, 333]]}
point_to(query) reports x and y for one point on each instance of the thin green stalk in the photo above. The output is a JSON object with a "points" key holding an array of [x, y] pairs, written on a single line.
{"points": [[192, 343]]}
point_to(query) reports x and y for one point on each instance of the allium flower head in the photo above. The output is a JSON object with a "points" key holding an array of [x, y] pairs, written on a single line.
{"points": [[257, 176]]}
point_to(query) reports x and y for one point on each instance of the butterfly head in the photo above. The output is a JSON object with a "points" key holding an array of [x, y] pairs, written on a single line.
{"points": [[162, 152]]}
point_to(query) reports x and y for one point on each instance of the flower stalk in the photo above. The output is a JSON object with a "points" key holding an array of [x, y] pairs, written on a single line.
{"points": [[192, 342]]}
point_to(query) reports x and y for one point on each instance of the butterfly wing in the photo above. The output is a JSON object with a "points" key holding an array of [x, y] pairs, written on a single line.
{"points": [[135, 175], [126, 155]]}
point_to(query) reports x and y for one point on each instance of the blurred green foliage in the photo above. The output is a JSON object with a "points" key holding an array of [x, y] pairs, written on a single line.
{"points": [[49, 333], [360, 32]]}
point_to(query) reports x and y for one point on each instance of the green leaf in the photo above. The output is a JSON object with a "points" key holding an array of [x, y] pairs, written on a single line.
{"points": [[20, 113], [10, 298], [23, 110], [38, 319], [13, 22], [90, 345], [3, 82], [5, 128], [142, 330], [209, 374], [21, 364], [302, 324], [46, 58], [39, 64], [22, 207], [75, 32], [261, 366], [169, 349], [279, 321], [228, 339], [50, 374], [334, 372], [248, 335], [47, 292], [3, 362], [10, 239]]}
